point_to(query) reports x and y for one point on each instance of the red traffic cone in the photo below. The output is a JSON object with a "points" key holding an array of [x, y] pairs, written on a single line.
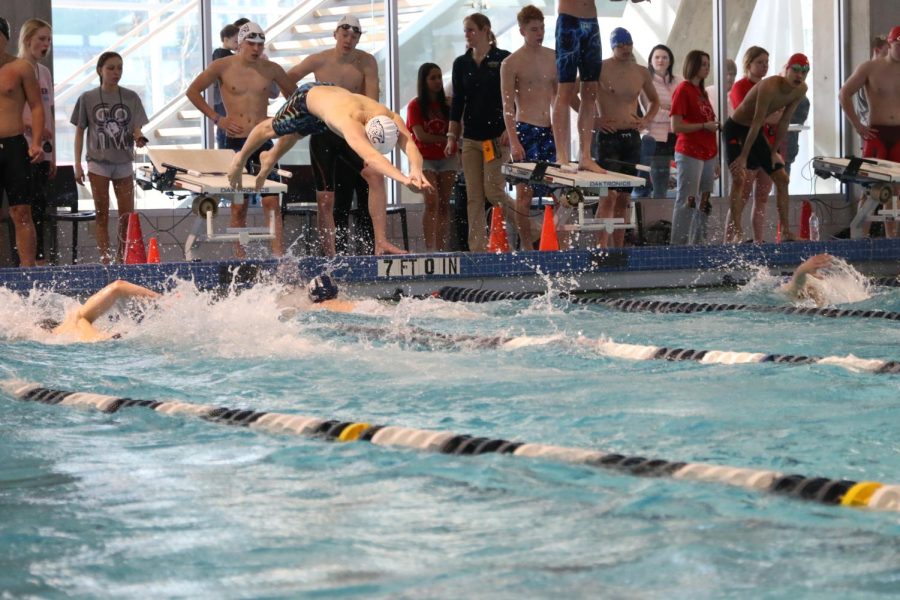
{"points": [[134, 241], [498, 242], [153, 252], [549, 241]]}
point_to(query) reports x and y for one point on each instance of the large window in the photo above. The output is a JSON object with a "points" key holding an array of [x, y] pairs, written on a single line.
{"points": [[163, 48], [784, 27]]}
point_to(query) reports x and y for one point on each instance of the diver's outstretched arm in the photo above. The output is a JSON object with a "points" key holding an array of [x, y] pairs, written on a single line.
{"points": [[103, 300]]}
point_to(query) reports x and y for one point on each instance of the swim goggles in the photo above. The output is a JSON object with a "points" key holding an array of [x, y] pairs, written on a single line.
{"points": [[800, 68], [347, 26]]}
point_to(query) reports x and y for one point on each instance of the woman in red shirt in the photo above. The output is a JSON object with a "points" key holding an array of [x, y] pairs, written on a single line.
{"points": [[694, 121], [756, 182], [427, 117]]}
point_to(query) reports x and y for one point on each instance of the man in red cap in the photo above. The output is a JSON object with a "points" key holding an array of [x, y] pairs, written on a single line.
{"points": [[745, 148], [880, 77]]}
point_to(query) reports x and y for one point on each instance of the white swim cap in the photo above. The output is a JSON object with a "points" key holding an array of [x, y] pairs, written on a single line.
{"points": [[383, 133]]}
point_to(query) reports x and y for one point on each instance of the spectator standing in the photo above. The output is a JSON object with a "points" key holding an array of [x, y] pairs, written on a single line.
{"points": [[661, 65], [20, 87], [757, 182], [355, 70], [35, 38], [477, 112], [528, 80], [112, 117], [427, 117], [694, 122], [229, 37]]}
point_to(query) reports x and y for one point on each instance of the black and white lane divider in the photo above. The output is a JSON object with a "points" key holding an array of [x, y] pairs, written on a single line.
{"points": [[843, 492], [457, 294], [607, 347]]}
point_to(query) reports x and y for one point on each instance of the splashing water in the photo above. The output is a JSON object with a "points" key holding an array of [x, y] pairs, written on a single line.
{"points": [[839, 283]]}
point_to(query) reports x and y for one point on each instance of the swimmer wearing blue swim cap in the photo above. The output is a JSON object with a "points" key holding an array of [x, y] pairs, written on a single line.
{"points": [[620, 37]]}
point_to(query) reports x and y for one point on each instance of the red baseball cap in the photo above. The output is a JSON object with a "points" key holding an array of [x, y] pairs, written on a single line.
{"points": [[894, 35], [797, 59]]}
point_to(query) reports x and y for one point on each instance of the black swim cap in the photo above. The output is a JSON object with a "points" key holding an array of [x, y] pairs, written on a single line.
{"points": [[4, 27], [322, 288]]}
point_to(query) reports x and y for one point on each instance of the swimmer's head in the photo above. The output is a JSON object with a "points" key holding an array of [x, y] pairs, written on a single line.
{"points": [[894, 35], [382, 133], [322, 288], [620, 37], [797, 64], [48, 324], [4, 28], [251, 32]]}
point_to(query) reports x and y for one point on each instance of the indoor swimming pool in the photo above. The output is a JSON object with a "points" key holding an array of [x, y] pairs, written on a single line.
{"points": [[140, 504]]}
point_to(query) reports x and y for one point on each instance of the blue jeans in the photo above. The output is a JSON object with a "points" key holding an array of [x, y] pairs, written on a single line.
{"points": [[694, 177]]}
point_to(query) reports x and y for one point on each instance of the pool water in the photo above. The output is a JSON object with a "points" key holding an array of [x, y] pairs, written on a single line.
{"points": [[136, 504]]}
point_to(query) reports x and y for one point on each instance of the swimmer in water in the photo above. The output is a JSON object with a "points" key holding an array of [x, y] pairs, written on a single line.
{"points": [[320, 293], [801, 287], [79, 322]]}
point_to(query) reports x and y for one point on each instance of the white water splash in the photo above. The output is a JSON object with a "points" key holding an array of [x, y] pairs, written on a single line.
{"points": [[840, 283]]}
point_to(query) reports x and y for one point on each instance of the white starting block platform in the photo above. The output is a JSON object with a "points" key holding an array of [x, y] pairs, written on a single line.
{"points": [[202, 175], [568, 187], [877, 176]]}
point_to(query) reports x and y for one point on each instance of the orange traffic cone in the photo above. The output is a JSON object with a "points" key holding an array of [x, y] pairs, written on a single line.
{"points": [[134, 241], [153, 252], [549, 241], [498, 242]]}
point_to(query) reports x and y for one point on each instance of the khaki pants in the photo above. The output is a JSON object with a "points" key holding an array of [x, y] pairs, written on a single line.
{"points": [[483, 180]]}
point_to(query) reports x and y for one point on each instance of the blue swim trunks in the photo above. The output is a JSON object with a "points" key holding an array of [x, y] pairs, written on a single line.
{"points": [[539, 146], [294, 116], [577, 49], [537, 142]]}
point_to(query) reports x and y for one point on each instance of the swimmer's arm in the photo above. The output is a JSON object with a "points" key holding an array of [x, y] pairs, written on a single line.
{"points": [[810, 266], [785, 121], [103, 300], [370, 80], [649, 90], [763, 96], [205, 79], [33, 98], [353, 133], [508, 78], [849, 90], [283, 82], [307, 65]]}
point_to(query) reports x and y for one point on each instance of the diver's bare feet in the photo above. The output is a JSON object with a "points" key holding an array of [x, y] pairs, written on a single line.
{"points": [[587, 164], [235, 171], [385, 247], [736, 236], [266, 164]]}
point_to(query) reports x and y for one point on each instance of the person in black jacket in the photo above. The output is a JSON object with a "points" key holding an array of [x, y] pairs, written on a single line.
{"points": [[477, 109]]}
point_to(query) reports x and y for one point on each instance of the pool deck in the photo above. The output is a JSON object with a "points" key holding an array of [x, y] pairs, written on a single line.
{"points": [[417, 274]]}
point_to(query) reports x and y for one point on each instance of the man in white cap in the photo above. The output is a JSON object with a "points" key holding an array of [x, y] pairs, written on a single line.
{"points": [[370, 130], [354, 70], [18, 85], [244, 80]]}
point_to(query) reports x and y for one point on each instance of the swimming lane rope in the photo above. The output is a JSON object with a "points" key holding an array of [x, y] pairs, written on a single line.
{"points": [[870, 494], [434, 339], [457, 294]]}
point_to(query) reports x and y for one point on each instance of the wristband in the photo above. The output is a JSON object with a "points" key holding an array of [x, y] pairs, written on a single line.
{"points": [[451, 136]]}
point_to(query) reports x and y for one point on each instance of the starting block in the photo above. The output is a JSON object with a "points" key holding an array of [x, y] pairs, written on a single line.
{"points": [[877, 176], [201, 174], [568, 188]]}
